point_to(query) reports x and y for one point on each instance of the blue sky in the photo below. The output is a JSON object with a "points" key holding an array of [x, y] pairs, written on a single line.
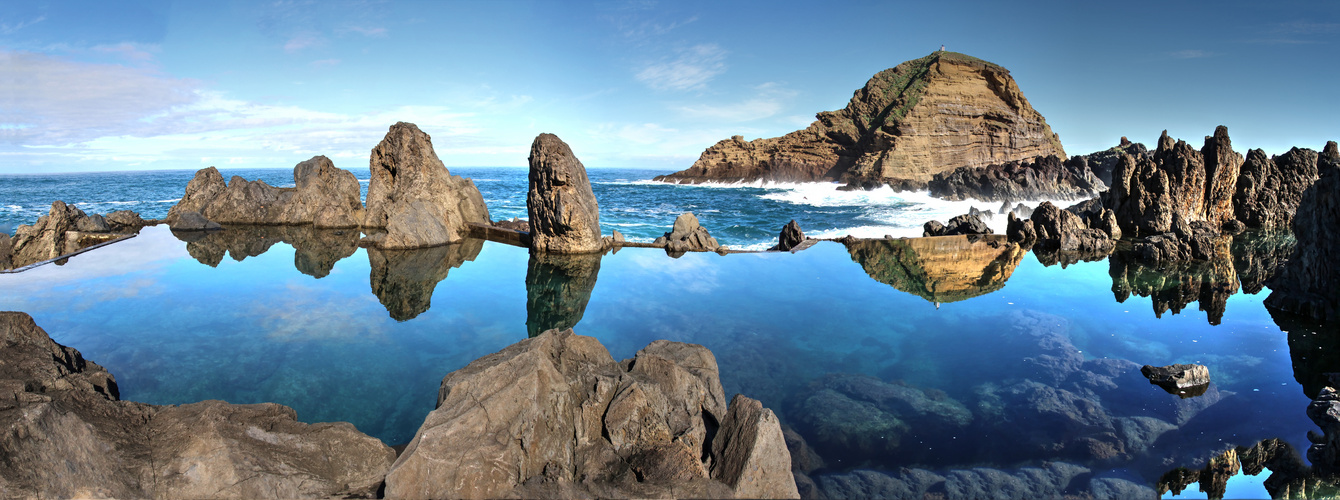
{"points": [[88, 86]]}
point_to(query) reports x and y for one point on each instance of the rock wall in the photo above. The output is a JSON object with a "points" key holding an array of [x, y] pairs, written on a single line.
{"points": [[1269, 189], [1309, 284], [922, 117], [563, 214], [413, 196]]}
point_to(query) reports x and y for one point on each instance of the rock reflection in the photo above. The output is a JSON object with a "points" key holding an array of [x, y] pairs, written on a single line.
{"points": [[316, 250], [558, 288], [404, 280], [1314, 349], [1173, 285], [940, 268], [1258, 256]]}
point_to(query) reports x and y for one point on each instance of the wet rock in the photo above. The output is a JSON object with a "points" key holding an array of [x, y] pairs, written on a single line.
{"points": [[413, 196], [962, 224], [944, 269], [790, 237], [404, 280], [564, 215], [1031, 179], [688, 236], [193, 221], [67, 434], [1309, 284], [556, 415], [1020, 231], [1184, 380], [1186, 241], [558, 287]]}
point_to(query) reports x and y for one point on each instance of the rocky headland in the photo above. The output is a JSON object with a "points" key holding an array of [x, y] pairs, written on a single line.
{"points": [[925, 116]]}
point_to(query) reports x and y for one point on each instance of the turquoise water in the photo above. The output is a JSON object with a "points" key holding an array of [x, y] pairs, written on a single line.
{"points": [[873, 377]]}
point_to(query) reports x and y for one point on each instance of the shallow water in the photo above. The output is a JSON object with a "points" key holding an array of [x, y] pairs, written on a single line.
{"points": [[882, 356]]}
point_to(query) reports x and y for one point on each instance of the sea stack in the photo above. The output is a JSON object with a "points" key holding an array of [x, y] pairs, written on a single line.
{"points": [[413, 196], [925, 116], [564, 215]]}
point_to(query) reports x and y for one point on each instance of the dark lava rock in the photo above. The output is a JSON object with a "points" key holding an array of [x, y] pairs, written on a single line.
{"points": [[1176, 179], [962, 224], [1041, 177], [1061, 230], [790, 236], [1269, 189], [1184, 380], [1102, 163], [563, 213], [1186, 241], [1258, 256], [1309, 284]]}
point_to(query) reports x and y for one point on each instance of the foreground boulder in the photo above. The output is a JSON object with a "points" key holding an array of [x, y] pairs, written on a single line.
{"points": [[1309, 284], [687, 236], [413, 196], [324, 196], [67, 434], [1184, 380], [556, 416], [564, 215], [1052, 229]]}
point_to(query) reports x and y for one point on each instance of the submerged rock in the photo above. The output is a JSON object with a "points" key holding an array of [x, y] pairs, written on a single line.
{"points": [[564, 215], [1309, 284], [558, 287], [67, 434], [413, 196], [555, 415], [939, 269], [1184, 380]]}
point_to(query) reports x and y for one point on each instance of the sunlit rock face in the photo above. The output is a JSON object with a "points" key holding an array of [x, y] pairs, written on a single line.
{"points": [[413, 196], [323, 196], [564, 215], [929, 115], [940, 268]]}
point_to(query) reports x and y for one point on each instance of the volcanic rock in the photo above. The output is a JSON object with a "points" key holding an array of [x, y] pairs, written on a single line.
{"points": [[963, 224], [45, 239], [938, 269], [790, 237], [325, 196], [1184, 380], [1063, 231], [1196, 185], [1309, 284], [1259, 256], [1103, 163], [929, 115], [67, 434], [414, 197], [687, 236], [555, 415], [192, 221], [564, 215], [1042, 177], [1171, 285], [1269, 189], [122, 220]]}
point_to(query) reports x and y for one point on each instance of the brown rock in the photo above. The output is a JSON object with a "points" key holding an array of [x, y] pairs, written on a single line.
{"points": [[563, 212], [6, 250], [1309, 284], [45, 239], [928, 115], [687, 236], [326, 196], [1063, 231], [1197, 185], [66, 434], [938, 269], [192, 221], [751, 452], [414, 197]]}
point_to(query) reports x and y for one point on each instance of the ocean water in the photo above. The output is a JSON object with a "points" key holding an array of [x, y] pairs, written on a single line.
{"points": [[945, 355], [745, 216]]}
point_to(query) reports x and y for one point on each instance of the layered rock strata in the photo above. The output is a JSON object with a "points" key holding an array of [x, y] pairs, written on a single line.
{"points": [[67, 434], [563, 214], [1043, 177], [413, 196], [556, 416], [929, 115], [324, 196], [1309, 284], [938, 269]]}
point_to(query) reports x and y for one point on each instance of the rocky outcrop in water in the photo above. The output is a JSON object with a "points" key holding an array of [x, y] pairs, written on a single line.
{"points": [[938, 269], [959, 225], [413, 196], [404, 280], [564, 215], [1184, 380], [925, 116], [1269, 189], [324, 196], [687, 236], [790, 237], [1042, 177], [1051, 229], [1309, 284], [67, 434], [558, 287], [192, 221], [65, 229], [556, 416]]}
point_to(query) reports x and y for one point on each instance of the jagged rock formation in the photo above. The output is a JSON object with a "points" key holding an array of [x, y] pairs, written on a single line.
{"points": [[1102, 163], [929, 115], [1309, 284], [413, 196], [404, 280], [1184, 380], [63, 230], [1173, 285], [1269, 189], [938, 269], [1042, 177], [324, 196], [962, 224], [67, 434], [558, 287], [687, 236], [563, 214], [790, 237], [556, 416], [315, 250], [1055, 230], [1259, 256]]}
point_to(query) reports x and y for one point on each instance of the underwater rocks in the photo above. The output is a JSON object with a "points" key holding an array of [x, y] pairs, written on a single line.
{"points": [[1042, 177], [324, 196], [563, 214], [1309, 284], [1051, 480], [687, 236], [1269, 189], [959, 225], [925, 116], [413, 196], [556, 416], [938, 269], [1184, 380], [558, 287], [67, 434]]}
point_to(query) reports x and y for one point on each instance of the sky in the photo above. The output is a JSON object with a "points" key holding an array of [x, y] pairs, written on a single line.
{"points": [[113, 86]]}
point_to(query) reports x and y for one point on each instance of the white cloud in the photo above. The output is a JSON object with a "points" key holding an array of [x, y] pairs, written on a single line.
{"points": [[366, 31], [136, 52], [766, 101], [9, 29], [690, 70], [302, 41]]}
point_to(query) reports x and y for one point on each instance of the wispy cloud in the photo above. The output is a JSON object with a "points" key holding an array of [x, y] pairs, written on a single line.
{"points": [[767, 101], [9, 29], [691, 69], [302, 41], [376, 32], [1190, 54], [137, 52]]}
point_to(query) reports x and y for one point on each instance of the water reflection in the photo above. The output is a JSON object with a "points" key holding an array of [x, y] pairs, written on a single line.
{"points": [[1258, 255], [1174, 285], [317, 249], [939, 269], [404, 280], [558, 288]]}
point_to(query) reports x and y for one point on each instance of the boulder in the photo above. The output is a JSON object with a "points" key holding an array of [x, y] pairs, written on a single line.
{"points": [[122, 220], [1063, 231], [1269, 189], [790, 237], [93, 223], [328, 197], [45, 239], [1184, 380], [687, 236], [1309, 284], [555, 415], [564, 215], [413, 196], [67, 434], [968, 223]]}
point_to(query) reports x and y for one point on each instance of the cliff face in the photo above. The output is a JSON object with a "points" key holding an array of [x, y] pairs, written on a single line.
{"points": [[925, 116]]}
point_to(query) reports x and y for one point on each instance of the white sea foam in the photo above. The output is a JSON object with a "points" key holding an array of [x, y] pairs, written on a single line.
{"points": [[13, 208], [174, 200]]}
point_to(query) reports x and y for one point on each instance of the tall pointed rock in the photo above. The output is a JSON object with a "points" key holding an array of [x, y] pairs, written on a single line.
{"points": [[564, 216], [414, 197]]}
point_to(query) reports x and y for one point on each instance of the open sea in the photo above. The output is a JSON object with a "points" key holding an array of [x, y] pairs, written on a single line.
{"points": [[898, 361]]}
